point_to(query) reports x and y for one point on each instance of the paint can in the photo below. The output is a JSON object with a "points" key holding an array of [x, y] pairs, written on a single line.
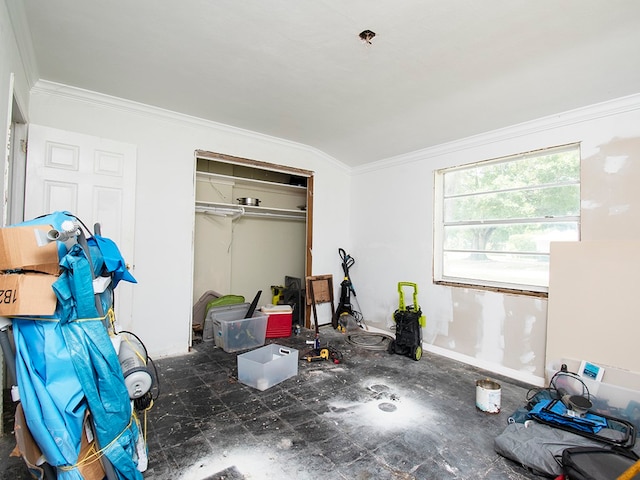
{"points": [[488, 396]]}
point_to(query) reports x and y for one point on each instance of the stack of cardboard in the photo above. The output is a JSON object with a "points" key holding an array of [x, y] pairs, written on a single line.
{"points": [[29, 266]]}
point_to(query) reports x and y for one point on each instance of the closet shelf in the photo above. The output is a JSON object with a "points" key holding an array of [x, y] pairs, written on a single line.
{"points": [[250, 182], [237, 211]]}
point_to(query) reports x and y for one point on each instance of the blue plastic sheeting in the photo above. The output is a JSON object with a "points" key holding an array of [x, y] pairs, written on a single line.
{"points": [[66, 365], [108, 251], [113, 261], [53, 401]]}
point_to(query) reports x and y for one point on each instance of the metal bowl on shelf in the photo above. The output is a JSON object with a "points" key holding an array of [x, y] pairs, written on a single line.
{"points": [[249, 201]]}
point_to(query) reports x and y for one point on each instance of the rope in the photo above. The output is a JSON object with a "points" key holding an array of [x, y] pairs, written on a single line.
{"points": [[57, 320], [143, 426], [94, 455], [112, 319]]}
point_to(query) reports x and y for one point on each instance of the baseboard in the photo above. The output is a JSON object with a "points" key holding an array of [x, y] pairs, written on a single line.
{"points": [[525, 377]]}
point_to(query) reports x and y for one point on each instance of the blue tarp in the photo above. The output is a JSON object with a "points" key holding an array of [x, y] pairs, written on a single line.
{"points": [[53, 400], [66, 365]]}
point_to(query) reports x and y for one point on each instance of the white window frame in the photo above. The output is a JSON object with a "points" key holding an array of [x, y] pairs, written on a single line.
{"points": [[440, 224]]}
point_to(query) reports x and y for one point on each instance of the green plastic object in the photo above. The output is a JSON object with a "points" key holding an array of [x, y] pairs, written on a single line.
{"points": [[415, 307], [225, 300]]}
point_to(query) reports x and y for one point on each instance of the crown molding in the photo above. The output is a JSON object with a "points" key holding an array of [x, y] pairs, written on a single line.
{"points": [[550, 122], [22, 35], [116, 103]]}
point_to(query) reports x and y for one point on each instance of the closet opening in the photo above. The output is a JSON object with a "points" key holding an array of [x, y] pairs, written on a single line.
{"points": [[253, 231]]}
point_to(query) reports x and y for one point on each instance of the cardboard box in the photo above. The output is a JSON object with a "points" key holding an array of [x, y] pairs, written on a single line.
{"points": [[27, 294], [89, 464], [26, 446], [25, 248]]}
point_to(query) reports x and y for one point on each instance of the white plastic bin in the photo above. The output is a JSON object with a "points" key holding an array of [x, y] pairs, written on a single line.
{"points": [[606, 397], [267, 366]]}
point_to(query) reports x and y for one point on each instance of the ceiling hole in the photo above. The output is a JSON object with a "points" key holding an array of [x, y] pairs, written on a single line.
{"points": [[367, 36]]}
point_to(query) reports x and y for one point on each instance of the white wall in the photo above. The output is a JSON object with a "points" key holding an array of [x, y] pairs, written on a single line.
{"points": [[165, 198], [13, 83], [14, 73], [392, 217]]}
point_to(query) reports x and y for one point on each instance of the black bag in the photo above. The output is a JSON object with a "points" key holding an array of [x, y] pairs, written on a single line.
{"points": [[594, 463]]}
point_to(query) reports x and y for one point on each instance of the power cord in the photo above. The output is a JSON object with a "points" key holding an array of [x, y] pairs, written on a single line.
{"points": [[556, 391]]}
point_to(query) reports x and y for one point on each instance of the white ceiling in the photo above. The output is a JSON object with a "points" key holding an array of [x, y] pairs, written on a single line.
{"points": [[436, 71]]}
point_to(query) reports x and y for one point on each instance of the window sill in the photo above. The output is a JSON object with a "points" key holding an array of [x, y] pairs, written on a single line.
{"points": [[510, 291]]}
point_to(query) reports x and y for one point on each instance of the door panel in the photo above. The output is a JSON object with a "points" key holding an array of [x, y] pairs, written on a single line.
{"points": [[91, 177]]}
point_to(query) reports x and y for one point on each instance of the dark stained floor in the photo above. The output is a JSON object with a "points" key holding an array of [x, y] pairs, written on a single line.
{"points": [[372, 416]]}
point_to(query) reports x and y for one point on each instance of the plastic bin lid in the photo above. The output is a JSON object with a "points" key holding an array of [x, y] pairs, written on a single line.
{"points": [[225, 300], [276, 309]]}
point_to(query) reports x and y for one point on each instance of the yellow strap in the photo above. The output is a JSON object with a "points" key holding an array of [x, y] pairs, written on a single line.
{"points": [[630, 472], [135, 350], [94, 454], [112, 318], [57, 320], [96, 319]]}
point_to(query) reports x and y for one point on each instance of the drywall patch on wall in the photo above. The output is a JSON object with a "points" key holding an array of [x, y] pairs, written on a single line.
{"points": [[619, 209], [609, 191], [614, 164], [438, 322], [461, 330], [506, 330], [474, 324], [589, 204], [490, 336], [524, 332]]}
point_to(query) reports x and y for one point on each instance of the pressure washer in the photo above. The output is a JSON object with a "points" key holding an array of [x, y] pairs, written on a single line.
{"points": [[409, 322]]}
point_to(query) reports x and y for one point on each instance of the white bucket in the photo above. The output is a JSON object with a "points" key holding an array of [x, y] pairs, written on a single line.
{"points": [[488, 396]]}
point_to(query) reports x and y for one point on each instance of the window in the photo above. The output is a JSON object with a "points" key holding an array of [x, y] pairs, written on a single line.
{"points": [[494, 220]]}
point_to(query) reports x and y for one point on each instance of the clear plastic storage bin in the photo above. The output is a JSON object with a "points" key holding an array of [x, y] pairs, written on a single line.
{"points": [[267, 366], [208, 334], [233, 333]]}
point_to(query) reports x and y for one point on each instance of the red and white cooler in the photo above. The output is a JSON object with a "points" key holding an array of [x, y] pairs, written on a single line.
{"points": [[279, 318]]}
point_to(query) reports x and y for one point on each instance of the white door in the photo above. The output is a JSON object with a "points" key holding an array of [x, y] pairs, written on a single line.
{"points": [[94, 179]]}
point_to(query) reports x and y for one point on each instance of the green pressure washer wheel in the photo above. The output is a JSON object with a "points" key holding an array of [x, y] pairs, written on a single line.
{"points": [[417, 353]]}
